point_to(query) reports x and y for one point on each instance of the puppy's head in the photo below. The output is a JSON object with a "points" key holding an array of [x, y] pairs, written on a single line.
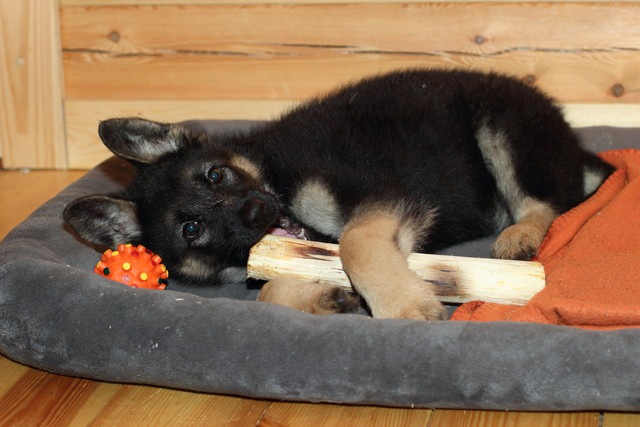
{"points": [[195, 201]]}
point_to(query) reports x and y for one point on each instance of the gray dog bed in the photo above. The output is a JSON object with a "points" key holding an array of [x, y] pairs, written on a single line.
{"points": [[57, 315]]}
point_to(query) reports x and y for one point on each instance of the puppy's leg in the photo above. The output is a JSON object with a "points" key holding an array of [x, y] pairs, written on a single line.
{"points": [[373, 248], [522, 239], [310, 297], [531, 216]]}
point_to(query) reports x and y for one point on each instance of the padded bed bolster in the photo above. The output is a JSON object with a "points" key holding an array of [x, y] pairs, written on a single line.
{"points": [[57, 315]]}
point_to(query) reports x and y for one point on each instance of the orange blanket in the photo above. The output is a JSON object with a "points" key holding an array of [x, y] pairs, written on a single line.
{"points": [[591, 257]]}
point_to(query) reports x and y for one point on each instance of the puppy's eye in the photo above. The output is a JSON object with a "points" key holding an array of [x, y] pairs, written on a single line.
{"points": [[214, 175], [191, 230]]}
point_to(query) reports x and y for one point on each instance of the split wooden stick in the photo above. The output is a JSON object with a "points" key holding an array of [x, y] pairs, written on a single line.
{"points": [[456, 279]]}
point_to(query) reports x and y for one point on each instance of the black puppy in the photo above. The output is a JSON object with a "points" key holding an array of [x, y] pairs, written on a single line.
{"points": [[408, 161]]}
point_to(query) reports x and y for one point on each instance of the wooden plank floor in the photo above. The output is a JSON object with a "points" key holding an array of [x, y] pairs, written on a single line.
{"points": [[29, 397]]}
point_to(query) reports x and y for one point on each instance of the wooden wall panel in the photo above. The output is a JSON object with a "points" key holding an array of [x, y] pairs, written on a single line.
{"points": [[408, 27], [192, 2], [594, 77], [173, 60], [579, 52], [86, 150], [31, 115]]}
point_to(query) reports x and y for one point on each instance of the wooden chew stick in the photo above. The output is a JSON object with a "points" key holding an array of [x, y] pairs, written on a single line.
{"points": [[456, 279]]}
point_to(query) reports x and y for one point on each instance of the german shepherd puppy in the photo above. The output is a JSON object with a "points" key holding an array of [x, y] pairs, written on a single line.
{"points": [[413, 160]]}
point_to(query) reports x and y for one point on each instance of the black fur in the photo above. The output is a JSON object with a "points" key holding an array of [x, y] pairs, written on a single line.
{"points": [[408, 137]]}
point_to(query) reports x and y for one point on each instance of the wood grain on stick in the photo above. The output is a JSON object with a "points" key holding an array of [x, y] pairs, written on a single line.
{"points": [[456, 279]]}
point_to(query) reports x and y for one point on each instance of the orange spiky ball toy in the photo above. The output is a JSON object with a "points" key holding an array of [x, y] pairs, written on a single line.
{"points": [[135, 266]]}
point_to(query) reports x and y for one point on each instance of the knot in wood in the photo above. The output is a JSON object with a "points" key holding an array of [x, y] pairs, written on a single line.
{"points": [[114, 36], [617, 90]]}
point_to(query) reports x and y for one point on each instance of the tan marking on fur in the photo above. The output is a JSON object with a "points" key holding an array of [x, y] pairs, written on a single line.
{"points": [[246, 166], [522, 239], [592, 179], [310, 297], [497, 157], [193, 267], [532, 217], [414, 227], [406, 239], [372, 249], [314, 204]]}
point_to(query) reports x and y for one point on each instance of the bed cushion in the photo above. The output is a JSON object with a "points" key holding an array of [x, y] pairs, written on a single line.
{"points": [[57, 315]]}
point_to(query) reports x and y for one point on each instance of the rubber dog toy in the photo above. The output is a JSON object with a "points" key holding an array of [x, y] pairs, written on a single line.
{"points": [[135, 266]]}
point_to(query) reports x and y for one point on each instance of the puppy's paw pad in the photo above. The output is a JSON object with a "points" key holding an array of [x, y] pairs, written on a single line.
{"points": [[338, 300], [311, 297]]}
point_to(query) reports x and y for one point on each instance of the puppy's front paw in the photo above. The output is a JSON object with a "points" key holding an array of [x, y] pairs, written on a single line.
{"points": [[310, 297], [434, 310], [428, 309], [416, 301]]}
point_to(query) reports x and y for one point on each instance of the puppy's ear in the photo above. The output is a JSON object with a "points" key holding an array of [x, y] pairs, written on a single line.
{"points": [[139, 139], [104, 220]]}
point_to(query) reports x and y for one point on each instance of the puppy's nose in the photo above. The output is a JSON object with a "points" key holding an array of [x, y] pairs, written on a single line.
{"points": [[256, 214]]}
